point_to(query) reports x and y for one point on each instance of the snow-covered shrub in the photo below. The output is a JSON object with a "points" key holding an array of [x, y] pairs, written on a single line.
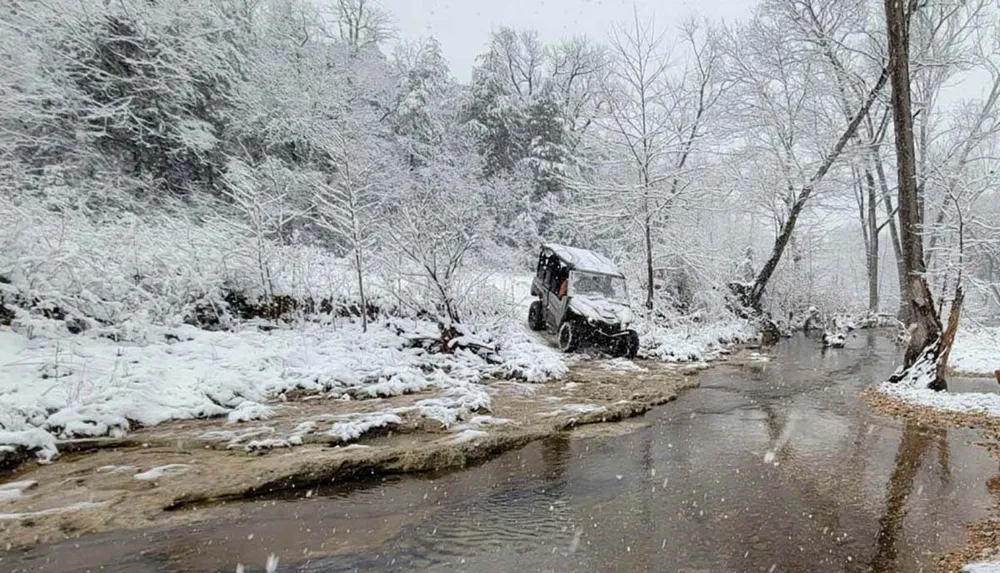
{"points": [[436, 229], [109, 271], [117, 267], [686, 340]]}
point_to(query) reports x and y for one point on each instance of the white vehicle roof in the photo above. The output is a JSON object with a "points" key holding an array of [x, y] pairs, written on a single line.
{"points": [[584, 260]]}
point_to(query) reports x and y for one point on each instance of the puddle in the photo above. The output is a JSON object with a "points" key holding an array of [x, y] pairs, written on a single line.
{"points": [[774, 467]]}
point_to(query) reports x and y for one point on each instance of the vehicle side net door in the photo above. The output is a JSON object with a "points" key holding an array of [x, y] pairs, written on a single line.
{"points": [[555, 306]]}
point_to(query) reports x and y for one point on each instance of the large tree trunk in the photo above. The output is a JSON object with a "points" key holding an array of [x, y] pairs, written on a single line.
{"points": [[873, 243], [649, 260], [767, 271], [868, 215], [897, 249], [358, 264], [925, 326]]}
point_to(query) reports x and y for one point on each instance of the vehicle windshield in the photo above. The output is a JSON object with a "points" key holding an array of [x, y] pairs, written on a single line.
{"points": [[597, 286]]}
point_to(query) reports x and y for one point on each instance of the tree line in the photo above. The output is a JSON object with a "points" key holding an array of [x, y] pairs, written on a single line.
{"points": [[673, 146]]}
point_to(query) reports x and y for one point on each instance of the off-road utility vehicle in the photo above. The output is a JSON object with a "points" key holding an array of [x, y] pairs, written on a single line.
{"points": [[582, 298]]}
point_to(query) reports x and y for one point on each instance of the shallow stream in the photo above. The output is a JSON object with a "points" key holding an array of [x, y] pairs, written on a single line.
{"points": [[776, 466]]}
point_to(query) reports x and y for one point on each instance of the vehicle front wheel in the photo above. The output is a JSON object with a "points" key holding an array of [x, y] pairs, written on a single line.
{"points": [[629, 345], [568, 337], [536, 320]]}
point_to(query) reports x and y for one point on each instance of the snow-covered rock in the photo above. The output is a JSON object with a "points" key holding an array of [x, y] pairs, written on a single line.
{"points": [[357, 426], [161, 472], [834, 339]]}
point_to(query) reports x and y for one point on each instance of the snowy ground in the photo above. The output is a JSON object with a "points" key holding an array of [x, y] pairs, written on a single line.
{"points": [[54, 385], [984, 567], [959, 402], [57, 385], [977, 350]]}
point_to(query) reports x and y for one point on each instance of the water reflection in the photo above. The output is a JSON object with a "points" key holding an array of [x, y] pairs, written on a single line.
{"points": [[913, 447], [556, 455]]}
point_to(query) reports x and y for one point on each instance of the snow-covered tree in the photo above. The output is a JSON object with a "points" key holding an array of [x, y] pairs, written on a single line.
{"points": [[262, 194], [437, 225], [504, 81], [785, 92], [644, 145], [639, 131], [347, 200], [147, 84], [532, 103], [427, 100], [362, 23]]}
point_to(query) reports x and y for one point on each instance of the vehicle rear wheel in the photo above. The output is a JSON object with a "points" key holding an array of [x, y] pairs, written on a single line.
{"points": [[536, 320], [568, 337]]}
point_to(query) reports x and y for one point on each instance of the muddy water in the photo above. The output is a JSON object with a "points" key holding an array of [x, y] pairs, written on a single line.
{"points": [[772, 467]]}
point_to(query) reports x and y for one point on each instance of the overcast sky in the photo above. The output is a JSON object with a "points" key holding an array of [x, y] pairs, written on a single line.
{"points": [[463, 26]]}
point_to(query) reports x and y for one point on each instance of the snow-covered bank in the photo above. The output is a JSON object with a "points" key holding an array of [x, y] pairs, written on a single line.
{"points": [[976, 353], [962, 403], [972, 353], [56, 385], [190, 464], [690, 341], [982, 567], [977, 350]]}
